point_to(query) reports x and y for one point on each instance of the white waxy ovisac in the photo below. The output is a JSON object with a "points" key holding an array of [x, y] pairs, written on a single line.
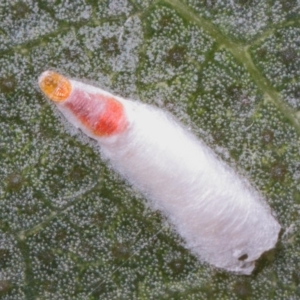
{"points": [[222, 219]]}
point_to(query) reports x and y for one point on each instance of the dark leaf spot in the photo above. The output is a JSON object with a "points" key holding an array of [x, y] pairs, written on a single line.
{"points": [[242, 289], [87, 249], [176, 56], [7, 84], [110, 46], [15, 181], [37, 194], [50, 286], [262, 52], [248, 122], [28, 209], [235, 93], [45, 132], [48, 261], [165, 21], [5, 287], [288, 4], [245, 101], [170, 106], [77, 174], [296, 92], [61, 235], [98, 218], [5, 257], [20, 10], [177, 266], [288, 56], [31, 210], [278, 172], [120, 251], [267, 136], [71, 54], [218, 135]]}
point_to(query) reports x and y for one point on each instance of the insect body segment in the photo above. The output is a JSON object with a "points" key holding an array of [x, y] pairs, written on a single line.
{"points": [[55, 86], [101, 114]]}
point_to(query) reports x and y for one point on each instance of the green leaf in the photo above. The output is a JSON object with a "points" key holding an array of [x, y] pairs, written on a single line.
{"points": [[70, 228]]}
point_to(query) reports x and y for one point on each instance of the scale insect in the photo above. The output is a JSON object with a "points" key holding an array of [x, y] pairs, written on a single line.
{"points": [[222, 219]]}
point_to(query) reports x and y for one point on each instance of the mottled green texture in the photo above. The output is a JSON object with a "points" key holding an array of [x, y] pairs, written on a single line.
{"points": [[70, 228]]}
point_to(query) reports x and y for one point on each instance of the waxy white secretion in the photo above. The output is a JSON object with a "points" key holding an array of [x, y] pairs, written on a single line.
{"points": [[222, 219]]}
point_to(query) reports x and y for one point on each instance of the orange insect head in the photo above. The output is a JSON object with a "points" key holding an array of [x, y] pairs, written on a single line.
{"points": [[55, 86]]}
